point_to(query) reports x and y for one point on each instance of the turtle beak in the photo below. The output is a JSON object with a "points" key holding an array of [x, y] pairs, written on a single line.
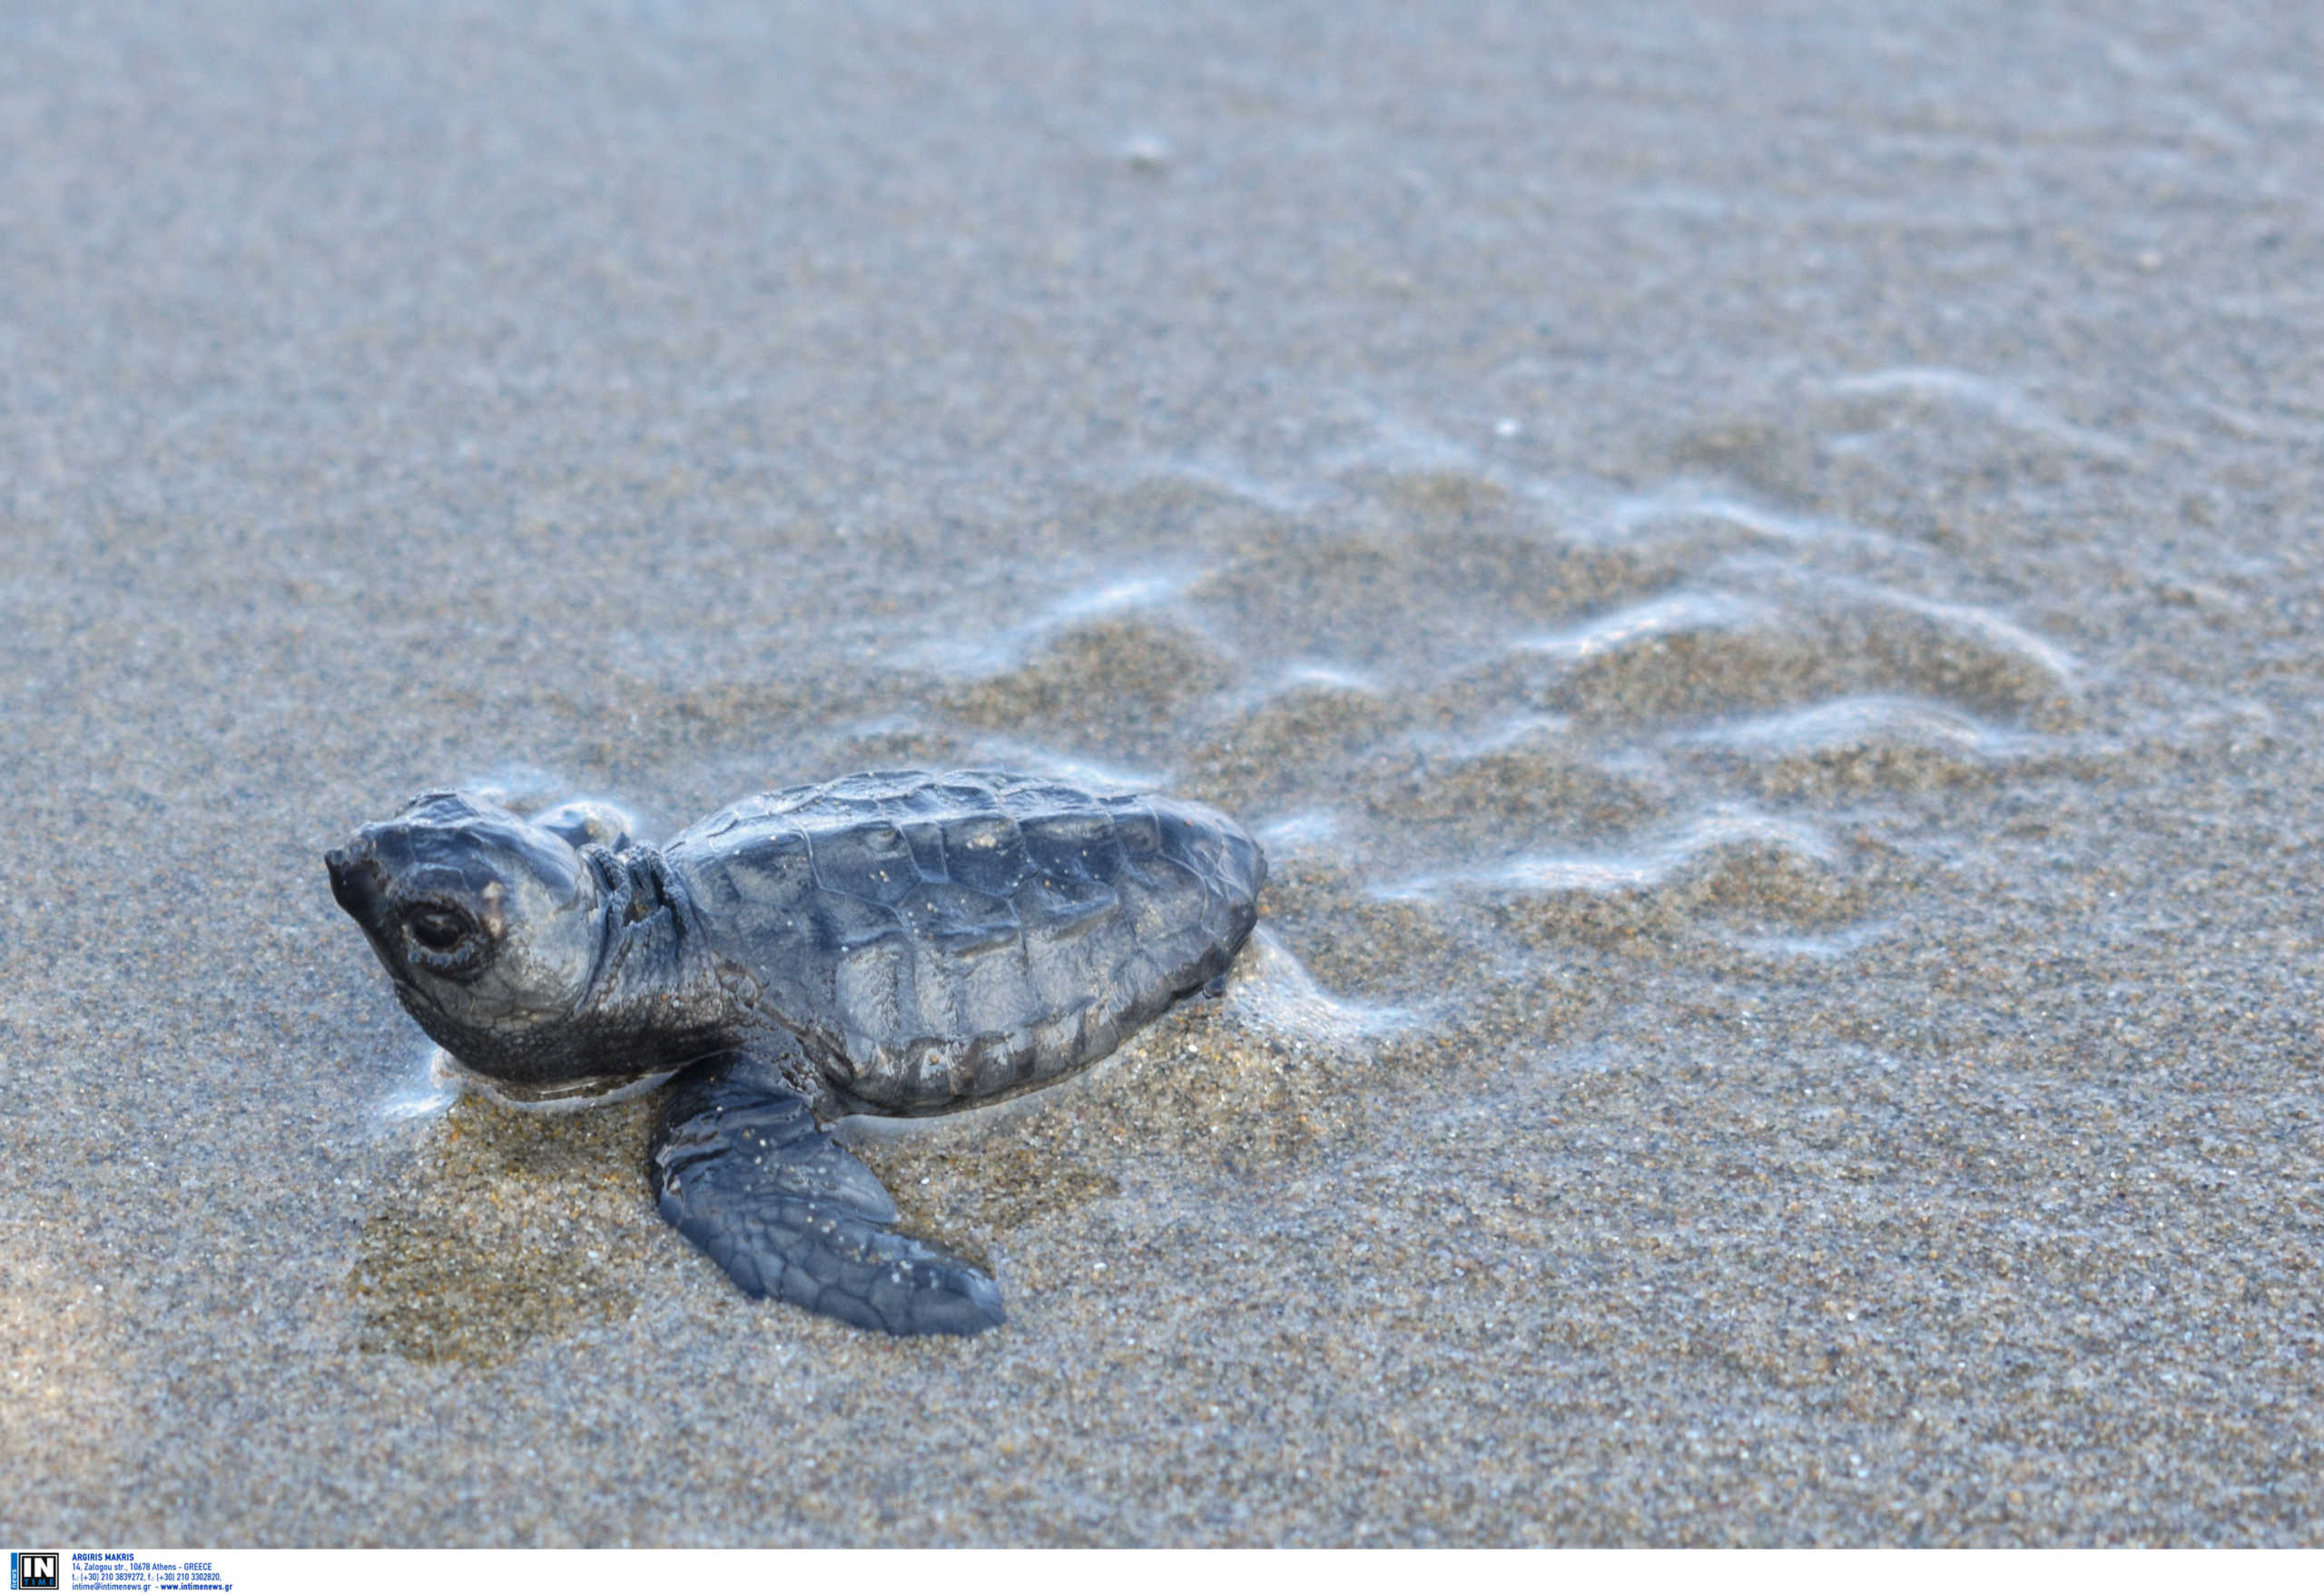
{"points": [[355, 883]]}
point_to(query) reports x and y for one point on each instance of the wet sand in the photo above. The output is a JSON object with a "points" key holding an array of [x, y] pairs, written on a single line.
{"points": [[1759, 575]]}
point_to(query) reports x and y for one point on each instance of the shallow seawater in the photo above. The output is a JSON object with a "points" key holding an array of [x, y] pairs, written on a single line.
{"points": [[1757, 578]]}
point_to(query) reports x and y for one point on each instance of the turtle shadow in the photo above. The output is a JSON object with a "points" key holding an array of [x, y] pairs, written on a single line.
{"points": [[504, 1228]]}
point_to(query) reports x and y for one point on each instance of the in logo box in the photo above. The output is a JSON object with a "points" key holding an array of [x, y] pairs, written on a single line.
{"points": [[32, 1570]]}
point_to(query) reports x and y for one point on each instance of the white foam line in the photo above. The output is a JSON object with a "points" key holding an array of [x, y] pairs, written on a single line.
{"points": [[1318, 674], [430, 1096], [1645, 508], [1276, 994], [2004, 635], [1602, 874], [1139, 591], [1820, 725], [1996, 399], [1666, 616], [1009, 648], [1293, 832]]}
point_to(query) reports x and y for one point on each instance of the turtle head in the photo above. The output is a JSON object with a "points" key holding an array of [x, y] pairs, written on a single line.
{"points": [[489, 925]]}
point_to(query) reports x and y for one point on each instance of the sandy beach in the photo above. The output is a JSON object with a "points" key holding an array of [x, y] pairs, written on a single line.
{"points": [[1758, 573]]}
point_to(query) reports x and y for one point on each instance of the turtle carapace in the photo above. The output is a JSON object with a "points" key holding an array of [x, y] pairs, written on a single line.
{"points": [[895, 943]]}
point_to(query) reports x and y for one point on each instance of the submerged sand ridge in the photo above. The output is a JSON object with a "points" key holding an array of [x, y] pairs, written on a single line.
{"points": [[1778, 687]]}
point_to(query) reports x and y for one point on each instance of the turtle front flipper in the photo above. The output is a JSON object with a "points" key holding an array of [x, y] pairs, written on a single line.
{"points": [[742, 1170]]}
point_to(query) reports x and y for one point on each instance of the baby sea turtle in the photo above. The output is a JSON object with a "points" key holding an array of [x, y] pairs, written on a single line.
{"points": [[894, 944]]}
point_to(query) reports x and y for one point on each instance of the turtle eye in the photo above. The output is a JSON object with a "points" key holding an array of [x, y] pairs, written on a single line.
{"points": [[446, 941], [439, 929]]}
